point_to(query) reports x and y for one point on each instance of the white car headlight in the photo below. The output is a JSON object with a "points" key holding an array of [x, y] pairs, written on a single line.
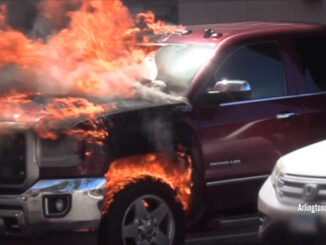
{"points": [[278, 170]]}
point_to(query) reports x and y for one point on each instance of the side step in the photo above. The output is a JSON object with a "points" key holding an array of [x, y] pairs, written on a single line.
{"points": [[228, 230], [234, 221]]}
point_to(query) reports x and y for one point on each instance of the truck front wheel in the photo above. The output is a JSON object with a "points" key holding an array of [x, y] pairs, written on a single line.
{"points": [[144, 213]]}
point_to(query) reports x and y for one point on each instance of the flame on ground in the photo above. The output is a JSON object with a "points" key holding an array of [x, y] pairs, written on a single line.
{"points": [[158, 166]]}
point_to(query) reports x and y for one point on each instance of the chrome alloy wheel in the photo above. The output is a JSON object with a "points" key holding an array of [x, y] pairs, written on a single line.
{"points": [[148, 220]]}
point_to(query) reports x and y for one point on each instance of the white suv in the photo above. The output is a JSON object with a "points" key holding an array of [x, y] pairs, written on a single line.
{"points": [[293, 198]]}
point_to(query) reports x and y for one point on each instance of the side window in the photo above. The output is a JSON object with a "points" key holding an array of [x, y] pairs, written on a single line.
{"points": [[312, 53], [260, 65]]}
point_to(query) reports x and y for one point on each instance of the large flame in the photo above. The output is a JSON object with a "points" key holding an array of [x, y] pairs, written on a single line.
{"points": [[79, 57], [96, 54], [158, 166]]}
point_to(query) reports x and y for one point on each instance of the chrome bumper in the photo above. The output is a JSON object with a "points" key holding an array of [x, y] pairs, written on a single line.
{"points": [[26, 211]]}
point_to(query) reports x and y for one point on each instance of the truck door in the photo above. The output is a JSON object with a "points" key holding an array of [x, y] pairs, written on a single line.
{"points": [[242, 140]]}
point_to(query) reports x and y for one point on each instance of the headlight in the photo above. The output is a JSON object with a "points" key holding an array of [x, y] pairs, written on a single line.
{"points": [[278, 170], [64, 152]]}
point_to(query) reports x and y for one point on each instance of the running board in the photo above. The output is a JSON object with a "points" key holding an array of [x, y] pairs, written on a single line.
{"points": [[230, 230], [242, 238], [227, 222]]}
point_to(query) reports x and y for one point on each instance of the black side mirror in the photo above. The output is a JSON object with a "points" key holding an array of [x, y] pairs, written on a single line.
{"points": [[228, 91]]}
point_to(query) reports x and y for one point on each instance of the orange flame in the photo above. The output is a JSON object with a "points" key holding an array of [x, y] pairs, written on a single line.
{"points": [[158, 166], [16, 107], [157, 26], [12, 107], [96, 54], [3, 15], [97, 134], [67, 108], [15, 99]]}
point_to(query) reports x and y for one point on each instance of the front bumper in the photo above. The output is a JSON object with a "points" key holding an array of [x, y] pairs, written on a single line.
{"points": [[272, 210], [25, 213], [279, 219]]}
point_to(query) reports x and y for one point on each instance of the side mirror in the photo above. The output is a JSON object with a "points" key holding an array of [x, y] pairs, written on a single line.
{"points": [[228, 91]]}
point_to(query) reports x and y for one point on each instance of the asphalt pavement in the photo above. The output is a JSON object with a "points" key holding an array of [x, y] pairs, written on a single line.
{"points": [[90, 239], [242, 234]]}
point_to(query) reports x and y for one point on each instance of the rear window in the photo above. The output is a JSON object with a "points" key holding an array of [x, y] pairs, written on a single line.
{"points": [[312, 53]]}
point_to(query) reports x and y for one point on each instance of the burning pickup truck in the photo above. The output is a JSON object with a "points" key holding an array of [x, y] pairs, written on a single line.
{"points": [[83, 123], [53, 171], [142, 142]]}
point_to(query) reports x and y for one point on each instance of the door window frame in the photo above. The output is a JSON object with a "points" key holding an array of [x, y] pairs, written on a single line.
{"points": [[228, 50]]}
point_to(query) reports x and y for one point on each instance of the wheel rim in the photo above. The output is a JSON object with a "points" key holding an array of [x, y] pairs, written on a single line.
{"points": [[148, 220]]}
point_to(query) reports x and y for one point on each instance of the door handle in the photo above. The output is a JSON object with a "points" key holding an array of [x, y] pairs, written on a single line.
{"points": [[287, 115]]}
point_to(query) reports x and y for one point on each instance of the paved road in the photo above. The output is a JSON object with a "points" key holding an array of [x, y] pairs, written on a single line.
{"points": [[244, 235], [87, 239]]}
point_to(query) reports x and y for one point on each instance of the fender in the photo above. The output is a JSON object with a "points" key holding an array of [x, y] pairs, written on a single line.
{"points": [[158, 130]]}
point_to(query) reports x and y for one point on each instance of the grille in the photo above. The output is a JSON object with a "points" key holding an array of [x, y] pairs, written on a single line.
{"points": [[12, 159], [298, 189]]}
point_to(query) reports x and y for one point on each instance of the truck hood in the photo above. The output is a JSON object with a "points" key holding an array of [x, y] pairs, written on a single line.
{"points": [[307, 161], [34, 114]]}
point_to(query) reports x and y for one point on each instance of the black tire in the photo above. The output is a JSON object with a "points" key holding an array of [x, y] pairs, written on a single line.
{"points": [[110, 232]]}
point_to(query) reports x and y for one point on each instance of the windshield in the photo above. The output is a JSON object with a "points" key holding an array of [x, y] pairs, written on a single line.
{"points": [[177, 64]]}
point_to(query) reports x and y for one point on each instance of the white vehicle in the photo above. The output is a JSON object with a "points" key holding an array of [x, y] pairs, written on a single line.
{"points": [[292, 201]]}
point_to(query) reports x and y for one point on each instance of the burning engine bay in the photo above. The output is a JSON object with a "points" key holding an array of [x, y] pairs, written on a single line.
{"points": [[77, 81]]}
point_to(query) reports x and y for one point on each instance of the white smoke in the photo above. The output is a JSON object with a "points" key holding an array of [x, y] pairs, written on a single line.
{"points": [[53, 78]]}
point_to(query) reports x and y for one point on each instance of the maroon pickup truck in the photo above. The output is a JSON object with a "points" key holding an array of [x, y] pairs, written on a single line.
{"points": [[254, 91]]}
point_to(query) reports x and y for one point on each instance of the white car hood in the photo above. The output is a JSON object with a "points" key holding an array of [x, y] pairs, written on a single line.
{"points": [[307, 161]]}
